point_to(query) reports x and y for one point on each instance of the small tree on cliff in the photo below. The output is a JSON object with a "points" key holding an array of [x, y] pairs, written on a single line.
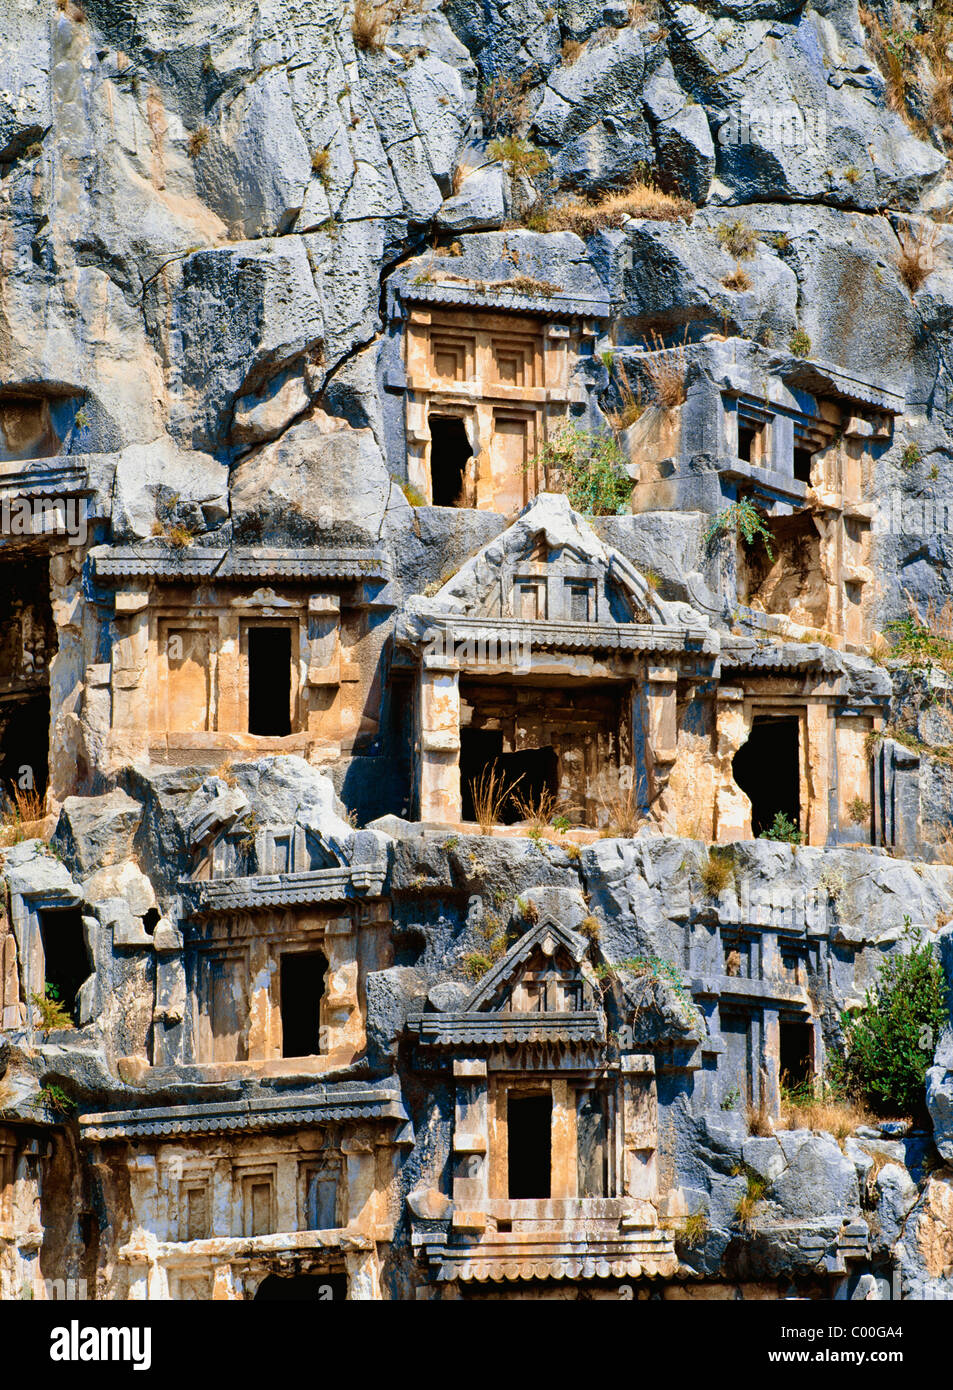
{"points": [[891, 1043]]}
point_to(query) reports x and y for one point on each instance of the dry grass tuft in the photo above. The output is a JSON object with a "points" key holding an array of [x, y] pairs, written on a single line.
{"points": [[591, 928], [738, 239], [665, 369], [26, 820], [503, 103], [837, 1116], [491, 791], [571, 50], [759, 1121], [369, 26], [632, 404], [624, 816], [640, 199], [198, 140], [916, 259], [716, 873], [738, 281], [537, 811]]}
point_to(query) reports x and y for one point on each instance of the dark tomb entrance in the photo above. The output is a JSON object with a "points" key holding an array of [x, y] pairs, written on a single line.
{"points": [[767, 769], [529, 1121], [269, 681], [450, 452], [302, 986], [522, 776], [796, 1049], [65, 959]]}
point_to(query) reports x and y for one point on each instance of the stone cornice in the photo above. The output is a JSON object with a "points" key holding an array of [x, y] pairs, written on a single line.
{"points": [[259, 892], [199, 562], [320, 1106]]}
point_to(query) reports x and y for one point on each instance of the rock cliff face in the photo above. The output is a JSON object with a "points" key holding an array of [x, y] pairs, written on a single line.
{"points": [[475, 644]]}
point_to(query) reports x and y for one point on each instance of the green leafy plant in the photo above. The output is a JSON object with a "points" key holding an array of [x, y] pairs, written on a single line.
{"points": [[731, 1098], [782, 828], [911, 455], [800, 343], [890, 1044], [588, 467], [744, 519], [53, 1012], [923, 642], [755, 1188], [55, 1099], [476, 964]]}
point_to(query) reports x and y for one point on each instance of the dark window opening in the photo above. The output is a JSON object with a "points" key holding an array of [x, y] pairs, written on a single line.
{"points": [[450, 452], [767, 769], [66, 962], [592, 1151], [796, 1048], [747, 434], [25, 742], [150, 920], [803, 460], [269, 681], [529, 1121], [524, 776], [303, 1288], [302, 986]]}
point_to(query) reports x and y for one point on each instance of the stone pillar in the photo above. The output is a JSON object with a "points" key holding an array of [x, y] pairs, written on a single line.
{"points": [[770, 1069], [732, 820], [131, 715], [439, 740], [639, 1125], [818, 760], [363, 1276], [470, 1144], [565, 1166]]}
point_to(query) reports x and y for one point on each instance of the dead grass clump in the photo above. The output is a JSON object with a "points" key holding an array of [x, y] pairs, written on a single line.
{"points": [[25, 820], [225, 772], [503, 103], [759, 1121], [738, 281], [640, 199], [665, 369], [716, 873], [832, 1115], [916, 259], [321, 165], [624, 816], [893, 55], [198, 140], [642, 12], [369, 26], [537, 811], [491, 791], [591, 928], [632, 406], [571, 50], [738, 239]]}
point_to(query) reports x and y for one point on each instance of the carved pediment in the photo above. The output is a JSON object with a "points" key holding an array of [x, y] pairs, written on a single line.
{"points": [[544, 972]]}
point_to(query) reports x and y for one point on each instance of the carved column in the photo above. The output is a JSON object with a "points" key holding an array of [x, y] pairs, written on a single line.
{"points": [[439, 739]]}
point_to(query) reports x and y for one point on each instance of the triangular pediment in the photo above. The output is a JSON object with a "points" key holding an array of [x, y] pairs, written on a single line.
{"points": [[545, 971], [550, 568]]}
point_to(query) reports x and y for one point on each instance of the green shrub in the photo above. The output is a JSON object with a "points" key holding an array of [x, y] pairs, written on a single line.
{"points": [[53, 1012], [589, 468], [782, 828], [744, 517], [800, 344], [889, 1046]]}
